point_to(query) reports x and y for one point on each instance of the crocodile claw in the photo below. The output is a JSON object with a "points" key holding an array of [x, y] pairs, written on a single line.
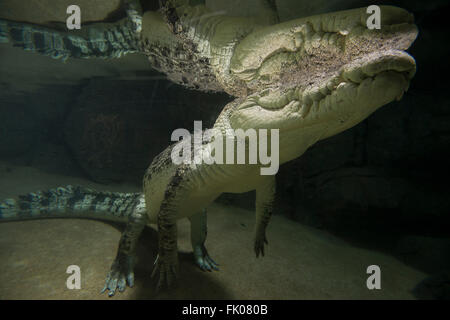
{"points": [[259, 244], [203, 260], [168, 272], [120, 275]]}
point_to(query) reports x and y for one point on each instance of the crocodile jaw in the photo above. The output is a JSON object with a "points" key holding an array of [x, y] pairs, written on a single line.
{"points": [[328, 107], [324, 88], [347, 97], [310, 48]]}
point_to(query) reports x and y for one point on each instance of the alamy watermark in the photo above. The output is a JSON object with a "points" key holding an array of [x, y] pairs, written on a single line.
{"points": [[73, 22], [374, 20], [74, 280], [212, 146], [374, 280]]}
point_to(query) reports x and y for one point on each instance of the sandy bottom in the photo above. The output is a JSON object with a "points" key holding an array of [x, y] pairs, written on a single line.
{"points": [[300, 262]]}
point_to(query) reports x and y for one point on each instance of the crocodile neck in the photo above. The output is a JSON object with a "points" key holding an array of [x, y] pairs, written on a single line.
{"points": [[198, 56]]}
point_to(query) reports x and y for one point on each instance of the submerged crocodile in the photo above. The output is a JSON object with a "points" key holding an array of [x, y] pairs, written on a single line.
{"points": [[310, 78]]}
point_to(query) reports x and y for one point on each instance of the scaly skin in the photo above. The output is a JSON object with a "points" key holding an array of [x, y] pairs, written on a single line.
{"points": [[311, 78], [98, 40]]}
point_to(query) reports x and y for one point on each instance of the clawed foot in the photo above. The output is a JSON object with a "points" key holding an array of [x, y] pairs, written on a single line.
{"points": [[260, 240], [167, 270], [203, 260], [120, 275]]}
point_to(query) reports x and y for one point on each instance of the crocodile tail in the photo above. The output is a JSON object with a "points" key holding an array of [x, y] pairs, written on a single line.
{"points": [[96, 40], [72, 202]]}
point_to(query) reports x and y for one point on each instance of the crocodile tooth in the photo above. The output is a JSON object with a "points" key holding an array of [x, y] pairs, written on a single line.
{"points": [[400, 96], [354, 74], [298, 39], [352, 91], [325, 103], [332, 40], [293, 105], [315, 110], [290, 95], [304, 110], [316, 39], [276, 100], [247, 104], [324, 90], [326, 38], [316, 95], [315, 105], [298, 93], [340, 85], [307, 98], [331, 85], [308, 31]]}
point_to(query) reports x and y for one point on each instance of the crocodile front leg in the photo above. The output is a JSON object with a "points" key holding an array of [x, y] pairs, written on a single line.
{"points": [[265, 195], [198, 238], [122, 272]]}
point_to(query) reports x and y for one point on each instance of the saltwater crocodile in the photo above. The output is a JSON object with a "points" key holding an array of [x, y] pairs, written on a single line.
{"points": [[310, 78]]}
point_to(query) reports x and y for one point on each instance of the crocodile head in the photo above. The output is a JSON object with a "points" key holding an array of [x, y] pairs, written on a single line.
{"points": [[314, 77]]}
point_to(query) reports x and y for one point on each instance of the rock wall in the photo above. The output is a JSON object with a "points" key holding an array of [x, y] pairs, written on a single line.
{"points": [[117, 127]]}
